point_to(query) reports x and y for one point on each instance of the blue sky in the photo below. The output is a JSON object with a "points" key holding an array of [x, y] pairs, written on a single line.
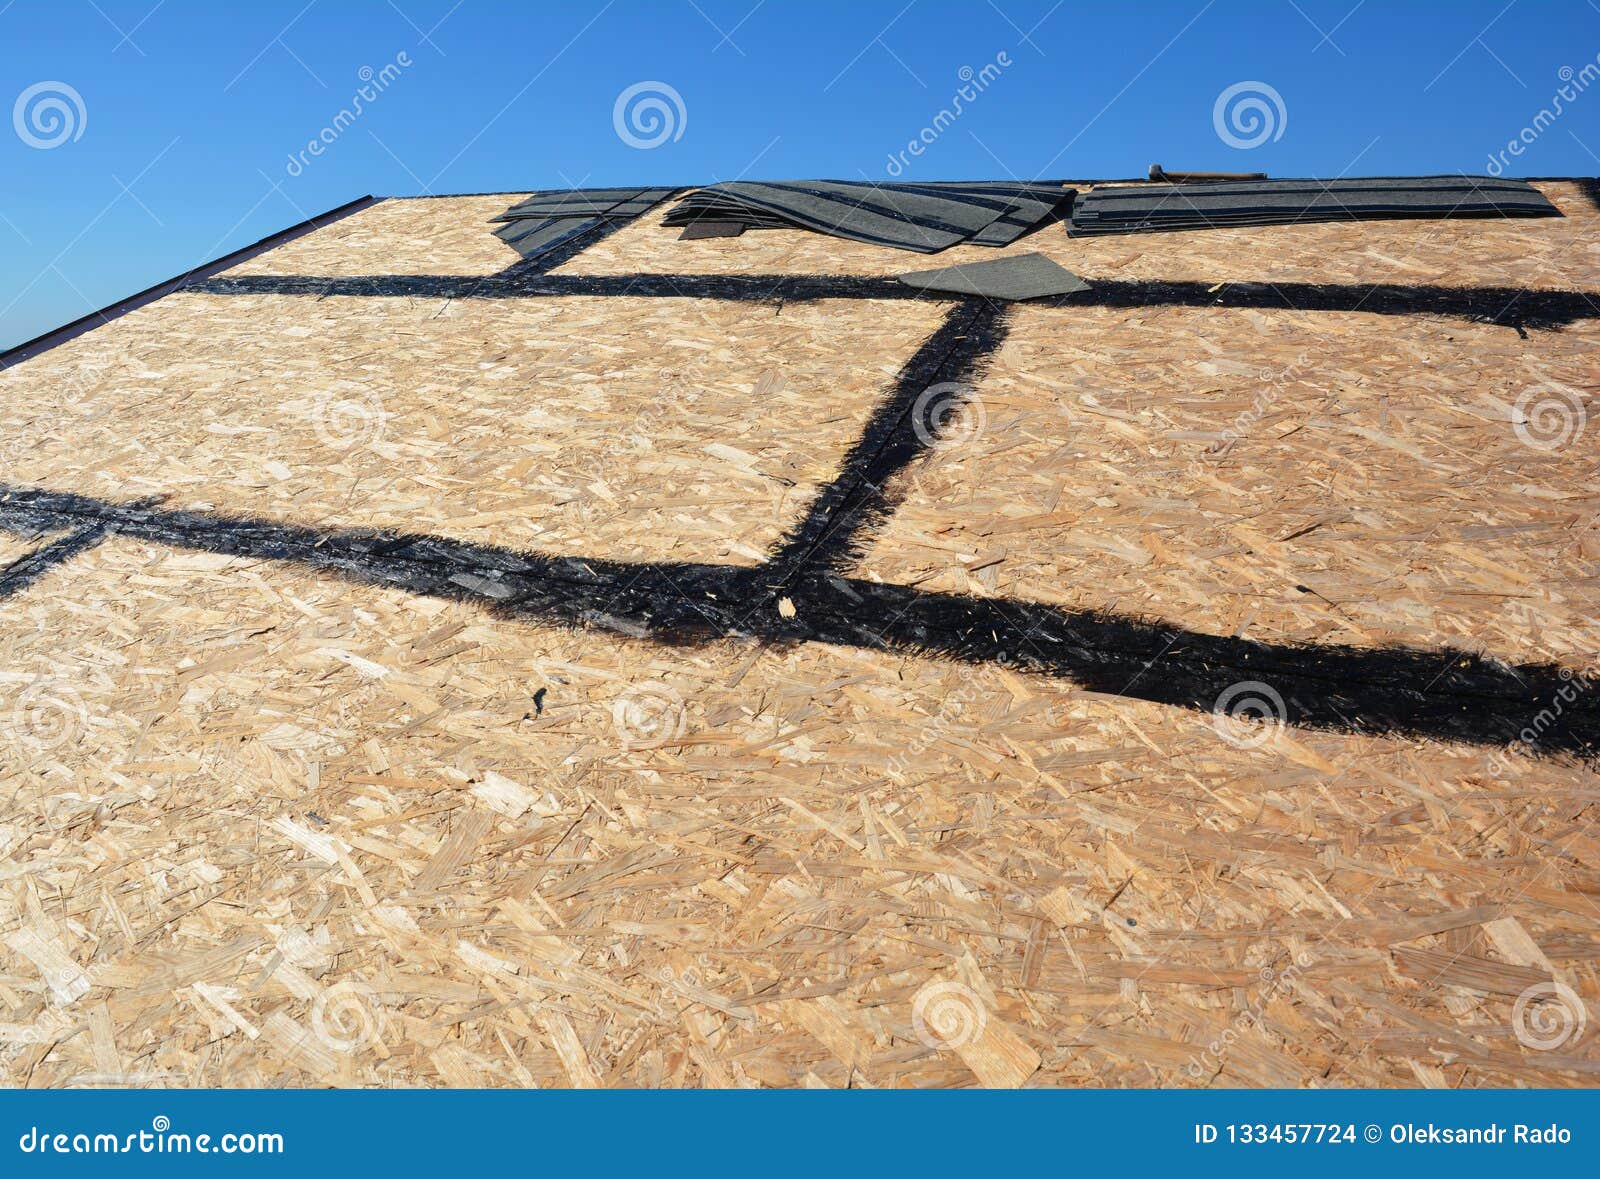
{"points": [[147, 137]]}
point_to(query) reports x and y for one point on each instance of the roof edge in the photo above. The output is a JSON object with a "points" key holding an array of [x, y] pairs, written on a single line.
{"points": [[71, 331]]}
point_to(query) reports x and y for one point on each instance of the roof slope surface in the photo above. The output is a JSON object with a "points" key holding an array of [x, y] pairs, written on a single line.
{"points": [[713, 663]]}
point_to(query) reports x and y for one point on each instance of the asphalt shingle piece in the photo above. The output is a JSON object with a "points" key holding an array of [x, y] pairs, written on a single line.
{"points": [[1026, 276]]}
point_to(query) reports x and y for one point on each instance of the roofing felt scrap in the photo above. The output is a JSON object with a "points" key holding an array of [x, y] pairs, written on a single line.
{"points": [[546, 220], [922, 217], [1026, 276], [1146, 207]]}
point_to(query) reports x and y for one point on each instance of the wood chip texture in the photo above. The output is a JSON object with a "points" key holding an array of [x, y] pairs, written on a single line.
{"points": [[262, 825]]}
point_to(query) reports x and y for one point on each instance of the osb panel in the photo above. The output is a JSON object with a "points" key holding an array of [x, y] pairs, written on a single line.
{"points": [[1308, 477], [260, 827], [1543, 252], [13, 547], [436, 235], [639, 429]]}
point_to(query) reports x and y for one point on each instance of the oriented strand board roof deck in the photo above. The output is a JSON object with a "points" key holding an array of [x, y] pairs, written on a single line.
{"points": [[591, 678]]}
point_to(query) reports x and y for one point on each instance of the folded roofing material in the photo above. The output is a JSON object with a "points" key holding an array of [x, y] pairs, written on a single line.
{"points": [[1026, 276], [546, 220], [923, 217], [1147, 207]]}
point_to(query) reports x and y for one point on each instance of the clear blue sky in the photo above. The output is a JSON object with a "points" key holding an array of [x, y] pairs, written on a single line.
{"points": [[175, 144]]}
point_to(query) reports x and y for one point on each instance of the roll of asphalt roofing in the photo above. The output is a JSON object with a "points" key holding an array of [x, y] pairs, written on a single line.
{"points": [[1142, 208]]}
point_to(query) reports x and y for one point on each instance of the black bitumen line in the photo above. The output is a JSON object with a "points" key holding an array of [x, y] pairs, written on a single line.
{"points": [[1589, 186], [1396, 691], [516, 283], [936, 381], [1517, 307], [29, 568], [1444, 693]]}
